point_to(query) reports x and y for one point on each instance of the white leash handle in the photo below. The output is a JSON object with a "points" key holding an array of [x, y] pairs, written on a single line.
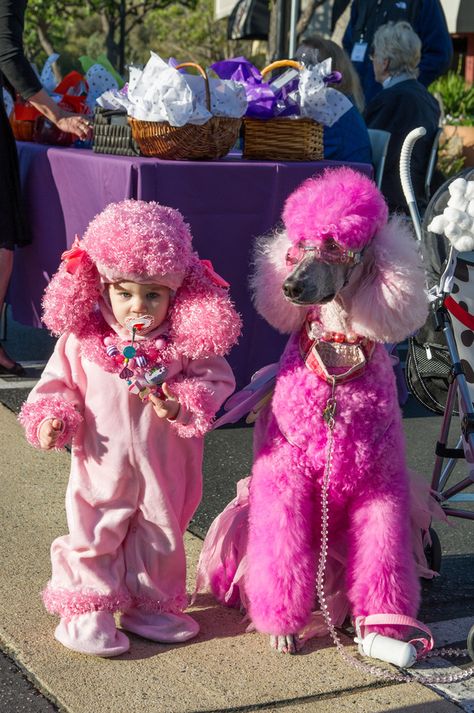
{"points": [[405, 176]]}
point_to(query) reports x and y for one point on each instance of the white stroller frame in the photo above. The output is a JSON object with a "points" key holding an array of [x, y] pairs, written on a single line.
{"points": [[446, 496], [465, 445]]}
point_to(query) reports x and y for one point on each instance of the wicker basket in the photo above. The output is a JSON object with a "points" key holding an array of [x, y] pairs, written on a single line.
{"points": [[283, 139], [112, 133], [213, 139], [22, 130]]}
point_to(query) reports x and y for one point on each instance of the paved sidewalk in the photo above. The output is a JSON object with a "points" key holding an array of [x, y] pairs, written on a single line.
{"points": [[222, 670]]}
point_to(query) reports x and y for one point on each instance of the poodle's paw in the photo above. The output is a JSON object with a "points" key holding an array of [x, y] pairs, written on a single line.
{"points": [[284, 644]]}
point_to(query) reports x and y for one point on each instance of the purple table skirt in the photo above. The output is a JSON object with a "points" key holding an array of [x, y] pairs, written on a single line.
{"points": [[228, 203]]}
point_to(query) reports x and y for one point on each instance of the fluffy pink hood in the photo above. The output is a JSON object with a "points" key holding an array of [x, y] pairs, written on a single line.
{"points": [[142, 242]]}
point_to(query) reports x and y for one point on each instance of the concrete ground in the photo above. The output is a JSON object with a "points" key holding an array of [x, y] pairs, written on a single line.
{"points": [[224, 669]]}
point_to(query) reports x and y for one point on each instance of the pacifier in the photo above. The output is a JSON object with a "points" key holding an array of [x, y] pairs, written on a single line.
{"points": [[138, 324]]}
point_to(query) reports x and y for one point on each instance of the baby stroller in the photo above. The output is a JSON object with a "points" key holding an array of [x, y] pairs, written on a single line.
{"points": [[439, 366]]}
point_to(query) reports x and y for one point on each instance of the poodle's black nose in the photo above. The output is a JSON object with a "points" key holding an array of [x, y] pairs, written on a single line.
{"points": [[292, 289]]}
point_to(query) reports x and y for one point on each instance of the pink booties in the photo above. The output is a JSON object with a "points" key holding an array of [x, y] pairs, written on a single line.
{"points": [[166, 628], [92, 633]]}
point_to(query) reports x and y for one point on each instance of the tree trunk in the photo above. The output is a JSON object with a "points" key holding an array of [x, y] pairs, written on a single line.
{"points": [[272, 31], [108, 26], [45, 43]]}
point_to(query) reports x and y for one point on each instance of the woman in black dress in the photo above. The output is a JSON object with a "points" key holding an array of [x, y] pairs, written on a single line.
{"points": [[16, 71]]}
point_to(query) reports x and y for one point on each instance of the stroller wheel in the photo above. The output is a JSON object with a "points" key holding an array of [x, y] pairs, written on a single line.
{"points": [[470, 643], [433, 552]]}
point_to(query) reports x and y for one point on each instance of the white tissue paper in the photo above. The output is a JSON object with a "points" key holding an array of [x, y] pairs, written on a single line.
{"points": [[317, 101], [457, 219], [161, 93], [8, 101]]}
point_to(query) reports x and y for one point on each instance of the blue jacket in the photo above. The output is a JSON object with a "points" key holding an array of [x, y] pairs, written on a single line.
{"points": [[427, 19], [348, 139]]}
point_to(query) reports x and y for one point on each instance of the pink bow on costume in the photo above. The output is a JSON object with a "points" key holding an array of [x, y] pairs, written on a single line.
{"points": [[74, 256], [212, 274]]}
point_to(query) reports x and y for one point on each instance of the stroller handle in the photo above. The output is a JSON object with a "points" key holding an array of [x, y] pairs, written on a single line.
{"points": [[405, 176]]}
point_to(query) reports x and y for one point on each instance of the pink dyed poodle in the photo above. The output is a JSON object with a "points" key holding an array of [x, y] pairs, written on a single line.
{"points": [[342, 279]]}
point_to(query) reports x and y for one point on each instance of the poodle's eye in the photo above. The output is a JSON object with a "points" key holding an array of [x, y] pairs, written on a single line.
{"points": [[330, 245]]}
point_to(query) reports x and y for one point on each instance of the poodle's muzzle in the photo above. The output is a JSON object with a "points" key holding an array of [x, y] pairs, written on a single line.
{"points": [[313, 281]]}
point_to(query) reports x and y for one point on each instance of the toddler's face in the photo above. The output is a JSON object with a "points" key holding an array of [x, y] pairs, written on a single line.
{"points": [[133, 300]]}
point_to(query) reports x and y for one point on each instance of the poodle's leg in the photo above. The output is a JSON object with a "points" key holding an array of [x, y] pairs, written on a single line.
{"points": [[280, 581], [381, 567]]}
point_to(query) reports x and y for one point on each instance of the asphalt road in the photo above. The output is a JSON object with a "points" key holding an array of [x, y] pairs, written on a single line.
{"points": [[228, 459]]}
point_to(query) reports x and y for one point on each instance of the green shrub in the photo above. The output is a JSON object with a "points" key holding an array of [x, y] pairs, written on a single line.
{"points": [[457, 98]]}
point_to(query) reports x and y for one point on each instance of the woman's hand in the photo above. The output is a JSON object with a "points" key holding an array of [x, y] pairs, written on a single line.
{"points": [[165, 408], [49, 433], [75, 124]]}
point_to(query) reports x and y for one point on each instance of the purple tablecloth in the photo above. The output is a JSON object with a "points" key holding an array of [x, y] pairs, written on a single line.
{"points": [[227, 204]]}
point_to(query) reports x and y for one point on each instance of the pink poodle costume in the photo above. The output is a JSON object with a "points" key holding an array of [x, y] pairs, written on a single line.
{"points": [[263, 549], [135, 479]]}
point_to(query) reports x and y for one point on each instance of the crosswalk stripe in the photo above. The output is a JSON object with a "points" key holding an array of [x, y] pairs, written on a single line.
{"points": [[445, 634]]}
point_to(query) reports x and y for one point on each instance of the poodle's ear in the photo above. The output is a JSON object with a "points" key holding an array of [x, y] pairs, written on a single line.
{"points": [[386, 298], [203, 321], [70, 297], [267, 281]]}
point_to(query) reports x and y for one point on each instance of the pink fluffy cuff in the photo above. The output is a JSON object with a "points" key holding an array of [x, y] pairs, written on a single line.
{"points": [[197, 408], [34, 413]]}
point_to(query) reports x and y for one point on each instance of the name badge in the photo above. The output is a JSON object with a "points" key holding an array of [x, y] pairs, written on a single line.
{"points": [[358, 52]]}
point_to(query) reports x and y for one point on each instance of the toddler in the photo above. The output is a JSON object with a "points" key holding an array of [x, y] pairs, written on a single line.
{"points": [[134, 382]]}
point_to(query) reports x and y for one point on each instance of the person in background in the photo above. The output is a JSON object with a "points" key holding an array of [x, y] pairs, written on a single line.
{"points": [[402, 105], [16, 72], [347, 139], [427, 19]]}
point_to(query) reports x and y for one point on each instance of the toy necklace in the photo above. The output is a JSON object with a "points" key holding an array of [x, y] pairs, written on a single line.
{"points": [[139, 381]]}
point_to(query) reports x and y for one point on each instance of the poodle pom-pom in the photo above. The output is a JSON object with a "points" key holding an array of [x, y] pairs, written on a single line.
{"points": [[341, 203]]}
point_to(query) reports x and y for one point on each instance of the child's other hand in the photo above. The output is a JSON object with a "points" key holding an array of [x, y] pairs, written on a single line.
{"points": [[165, 408], [49, 433]]}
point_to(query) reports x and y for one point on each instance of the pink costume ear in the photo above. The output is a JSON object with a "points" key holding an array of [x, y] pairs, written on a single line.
{"points": [[267, 284], [203, 321], [71, 296], [386, 298]]}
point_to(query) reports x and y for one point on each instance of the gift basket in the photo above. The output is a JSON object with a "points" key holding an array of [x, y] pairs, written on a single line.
{"points": [[286, 115], [212, 138], [28, 124], [283, 138]]}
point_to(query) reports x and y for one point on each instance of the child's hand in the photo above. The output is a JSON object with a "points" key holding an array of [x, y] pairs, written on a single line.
{"points": [[165, 408], [49, 433]]}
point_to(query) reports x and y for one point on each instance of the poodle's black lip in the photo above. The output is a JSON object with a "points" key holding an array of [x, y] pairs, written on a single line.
{"points": [[303, 303]]}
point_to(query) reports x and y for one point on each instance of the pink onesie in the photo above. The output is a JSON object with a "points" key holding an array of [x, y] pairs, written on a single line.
{"points": [[135, 479]]}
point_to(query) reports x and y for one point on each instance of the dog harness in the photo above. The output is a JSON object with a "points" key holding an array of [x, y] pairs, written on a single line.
{"points": [[334, 356]]}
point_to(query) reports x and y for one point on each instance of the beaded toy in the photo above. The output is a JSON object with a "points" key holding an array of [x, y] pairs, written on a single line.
{"points": [[151, 381]]}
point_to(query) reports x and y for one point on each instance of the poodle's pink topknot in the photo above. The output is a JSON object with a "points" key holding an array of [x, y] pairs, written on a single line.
{"points": [[340, 203], [138, 240]]}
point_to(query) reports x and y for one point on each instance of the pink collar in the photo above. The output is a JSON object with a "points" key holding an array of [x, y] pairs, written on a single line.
{"points": [[346, 357]]}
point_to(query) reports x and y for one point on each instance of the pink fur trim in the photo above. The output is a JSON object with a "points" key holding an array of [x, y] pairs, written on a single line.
{"points": [[388, 301], [152, 606], [267, 284], [67, 603], [69, 298], [203, 321], [197, 402], [340, 202], [33, 413]]}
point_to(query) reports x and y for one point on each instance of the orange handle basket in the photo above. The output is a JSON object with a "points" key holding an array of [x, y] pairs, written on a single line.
{"points": [[280, 63]]}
